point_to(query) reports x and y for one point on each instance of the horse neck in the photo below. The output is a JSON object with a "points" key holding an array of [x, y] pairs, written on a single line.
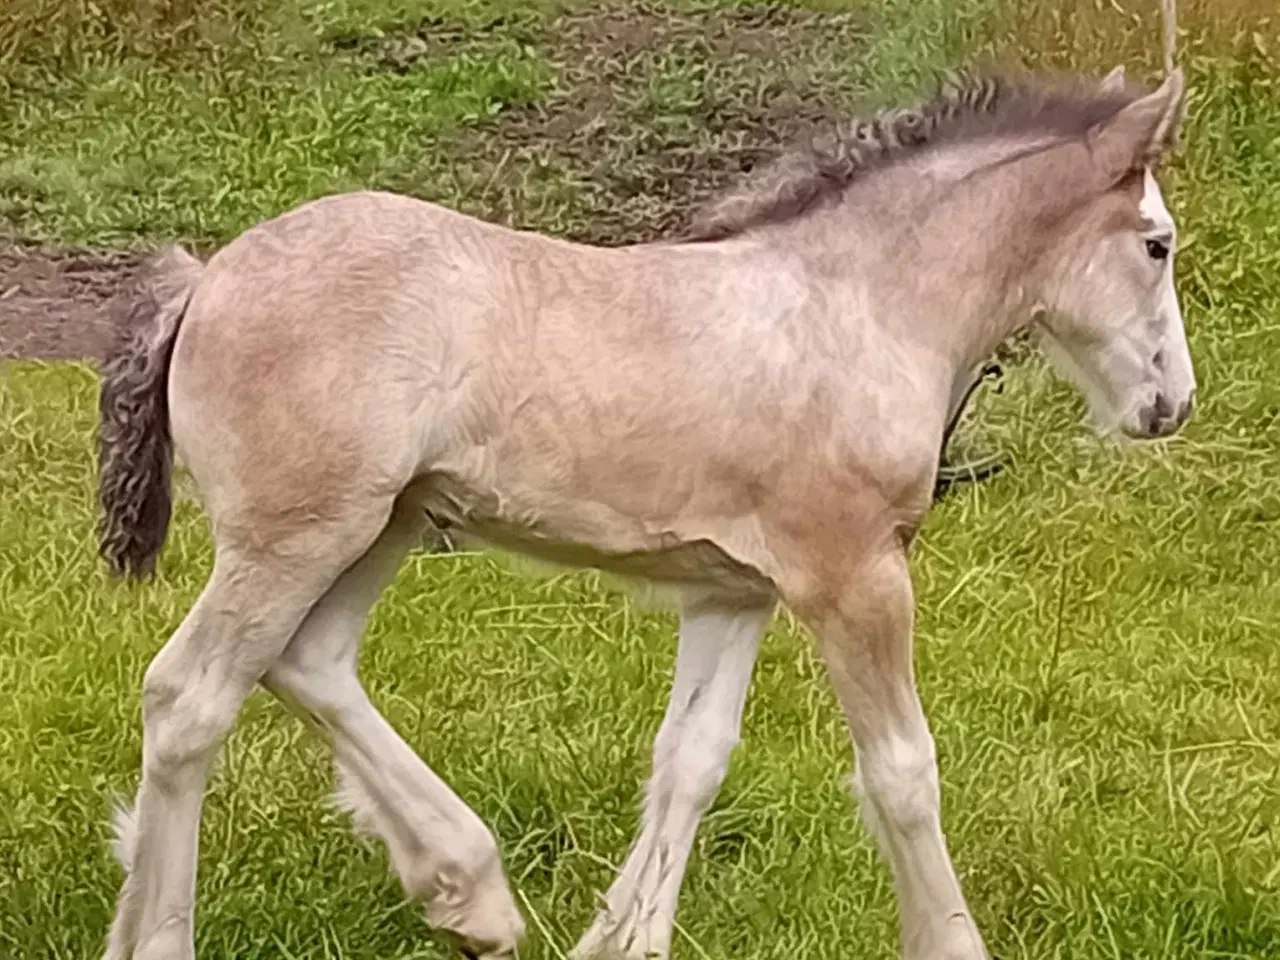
{"points": [[954, 269]]}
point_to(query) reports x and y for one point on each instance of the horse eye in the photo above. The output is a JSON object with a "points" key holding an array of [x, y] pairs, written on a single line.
{"points": [[1157, 249]]}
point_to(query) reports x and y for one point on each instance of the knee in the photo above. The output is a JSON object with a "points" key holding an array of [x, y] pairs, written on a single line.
{"points": [[900, 780], [182, 723], [162, 685], [699, 762]]}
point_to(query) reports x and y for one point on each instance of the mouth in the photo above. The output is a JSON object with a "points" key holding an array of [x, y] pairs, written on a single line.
{"points": [[1151, 425], [1140, 435]]}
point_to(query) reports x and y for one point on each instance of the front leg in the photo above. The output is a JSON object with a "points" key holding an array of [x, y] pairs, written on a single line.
{"points": [[864, 626]]}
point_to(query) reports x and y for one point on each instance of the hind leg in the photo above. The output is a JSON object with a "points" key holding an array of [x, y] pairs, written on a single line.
{"points": [[717, 652], [444, 854], [191, 694]]}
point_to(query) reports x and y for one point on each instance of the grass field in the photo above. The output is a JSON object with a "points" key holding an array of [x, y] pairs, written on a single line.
{"points": [[1099, 629]]}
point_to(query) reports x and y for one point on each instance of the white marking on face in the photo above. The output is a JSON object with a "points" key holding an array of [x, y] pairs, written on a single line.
{"points": [[1152, 204]]}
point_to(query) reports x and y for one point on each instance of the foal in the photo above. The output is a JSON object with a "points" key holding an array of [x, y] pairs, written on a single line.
{"points": [[749, 417]]}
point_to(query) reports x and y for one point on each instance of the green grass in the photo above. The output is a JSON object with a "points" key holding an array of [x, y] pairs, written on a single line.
{"points": [[118, 153], [1097, 628]]}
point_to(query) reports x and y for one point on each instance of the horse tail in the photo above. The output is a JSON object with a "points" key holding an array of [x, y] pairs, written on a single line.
{"points": [[135, 445]]}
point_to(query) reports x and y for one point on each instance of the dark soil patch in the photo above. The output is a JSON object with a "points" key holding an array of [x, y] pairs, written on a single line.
{"points": [[60, 304], [657, 107]]}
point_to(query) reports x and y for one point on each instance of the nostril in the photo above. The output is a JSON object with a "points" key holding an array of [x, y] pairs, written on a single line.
{"points": [[1163, 407], [1149, 420]]}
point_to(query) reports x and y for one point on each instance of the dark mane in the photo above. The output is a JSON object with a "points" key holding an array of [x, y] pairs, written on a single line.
{"points": [[966, 108]]}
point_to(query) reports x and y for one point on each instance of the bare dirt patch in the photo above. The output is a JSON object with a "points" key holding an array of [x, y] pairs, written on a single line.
{"points": [[60, 304], [656, 107]]}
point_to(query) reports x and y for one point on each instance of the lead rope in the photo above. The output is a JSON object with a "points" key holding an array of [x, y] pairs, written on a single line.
{"points": [[973, 471], [1169, 30]]}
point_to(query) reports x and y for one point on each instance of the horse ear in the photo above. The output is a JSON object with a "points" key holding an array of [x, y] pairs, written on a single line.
{"points": [[1113, 82], [1142, 133]]}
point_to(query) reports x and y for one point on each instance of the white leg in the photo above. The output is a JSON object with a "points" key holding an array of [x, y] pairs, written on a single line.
{"points": [[717, 651], [866, 642], [191, 694], [442, 851]]}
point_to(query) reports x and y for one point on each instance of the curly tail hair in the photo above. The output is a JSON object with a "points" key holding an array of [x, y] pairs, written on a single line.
{"points": [[135, 447]]}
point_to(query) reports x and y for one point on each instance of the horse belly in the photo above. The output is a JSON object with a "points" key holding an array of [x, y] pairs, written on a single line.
{"points": [[589, 536]]}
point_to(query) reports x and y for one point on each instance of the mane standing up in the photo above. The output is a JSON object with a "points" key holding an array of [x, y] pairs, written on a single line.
{"points": [[750, 417]]}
